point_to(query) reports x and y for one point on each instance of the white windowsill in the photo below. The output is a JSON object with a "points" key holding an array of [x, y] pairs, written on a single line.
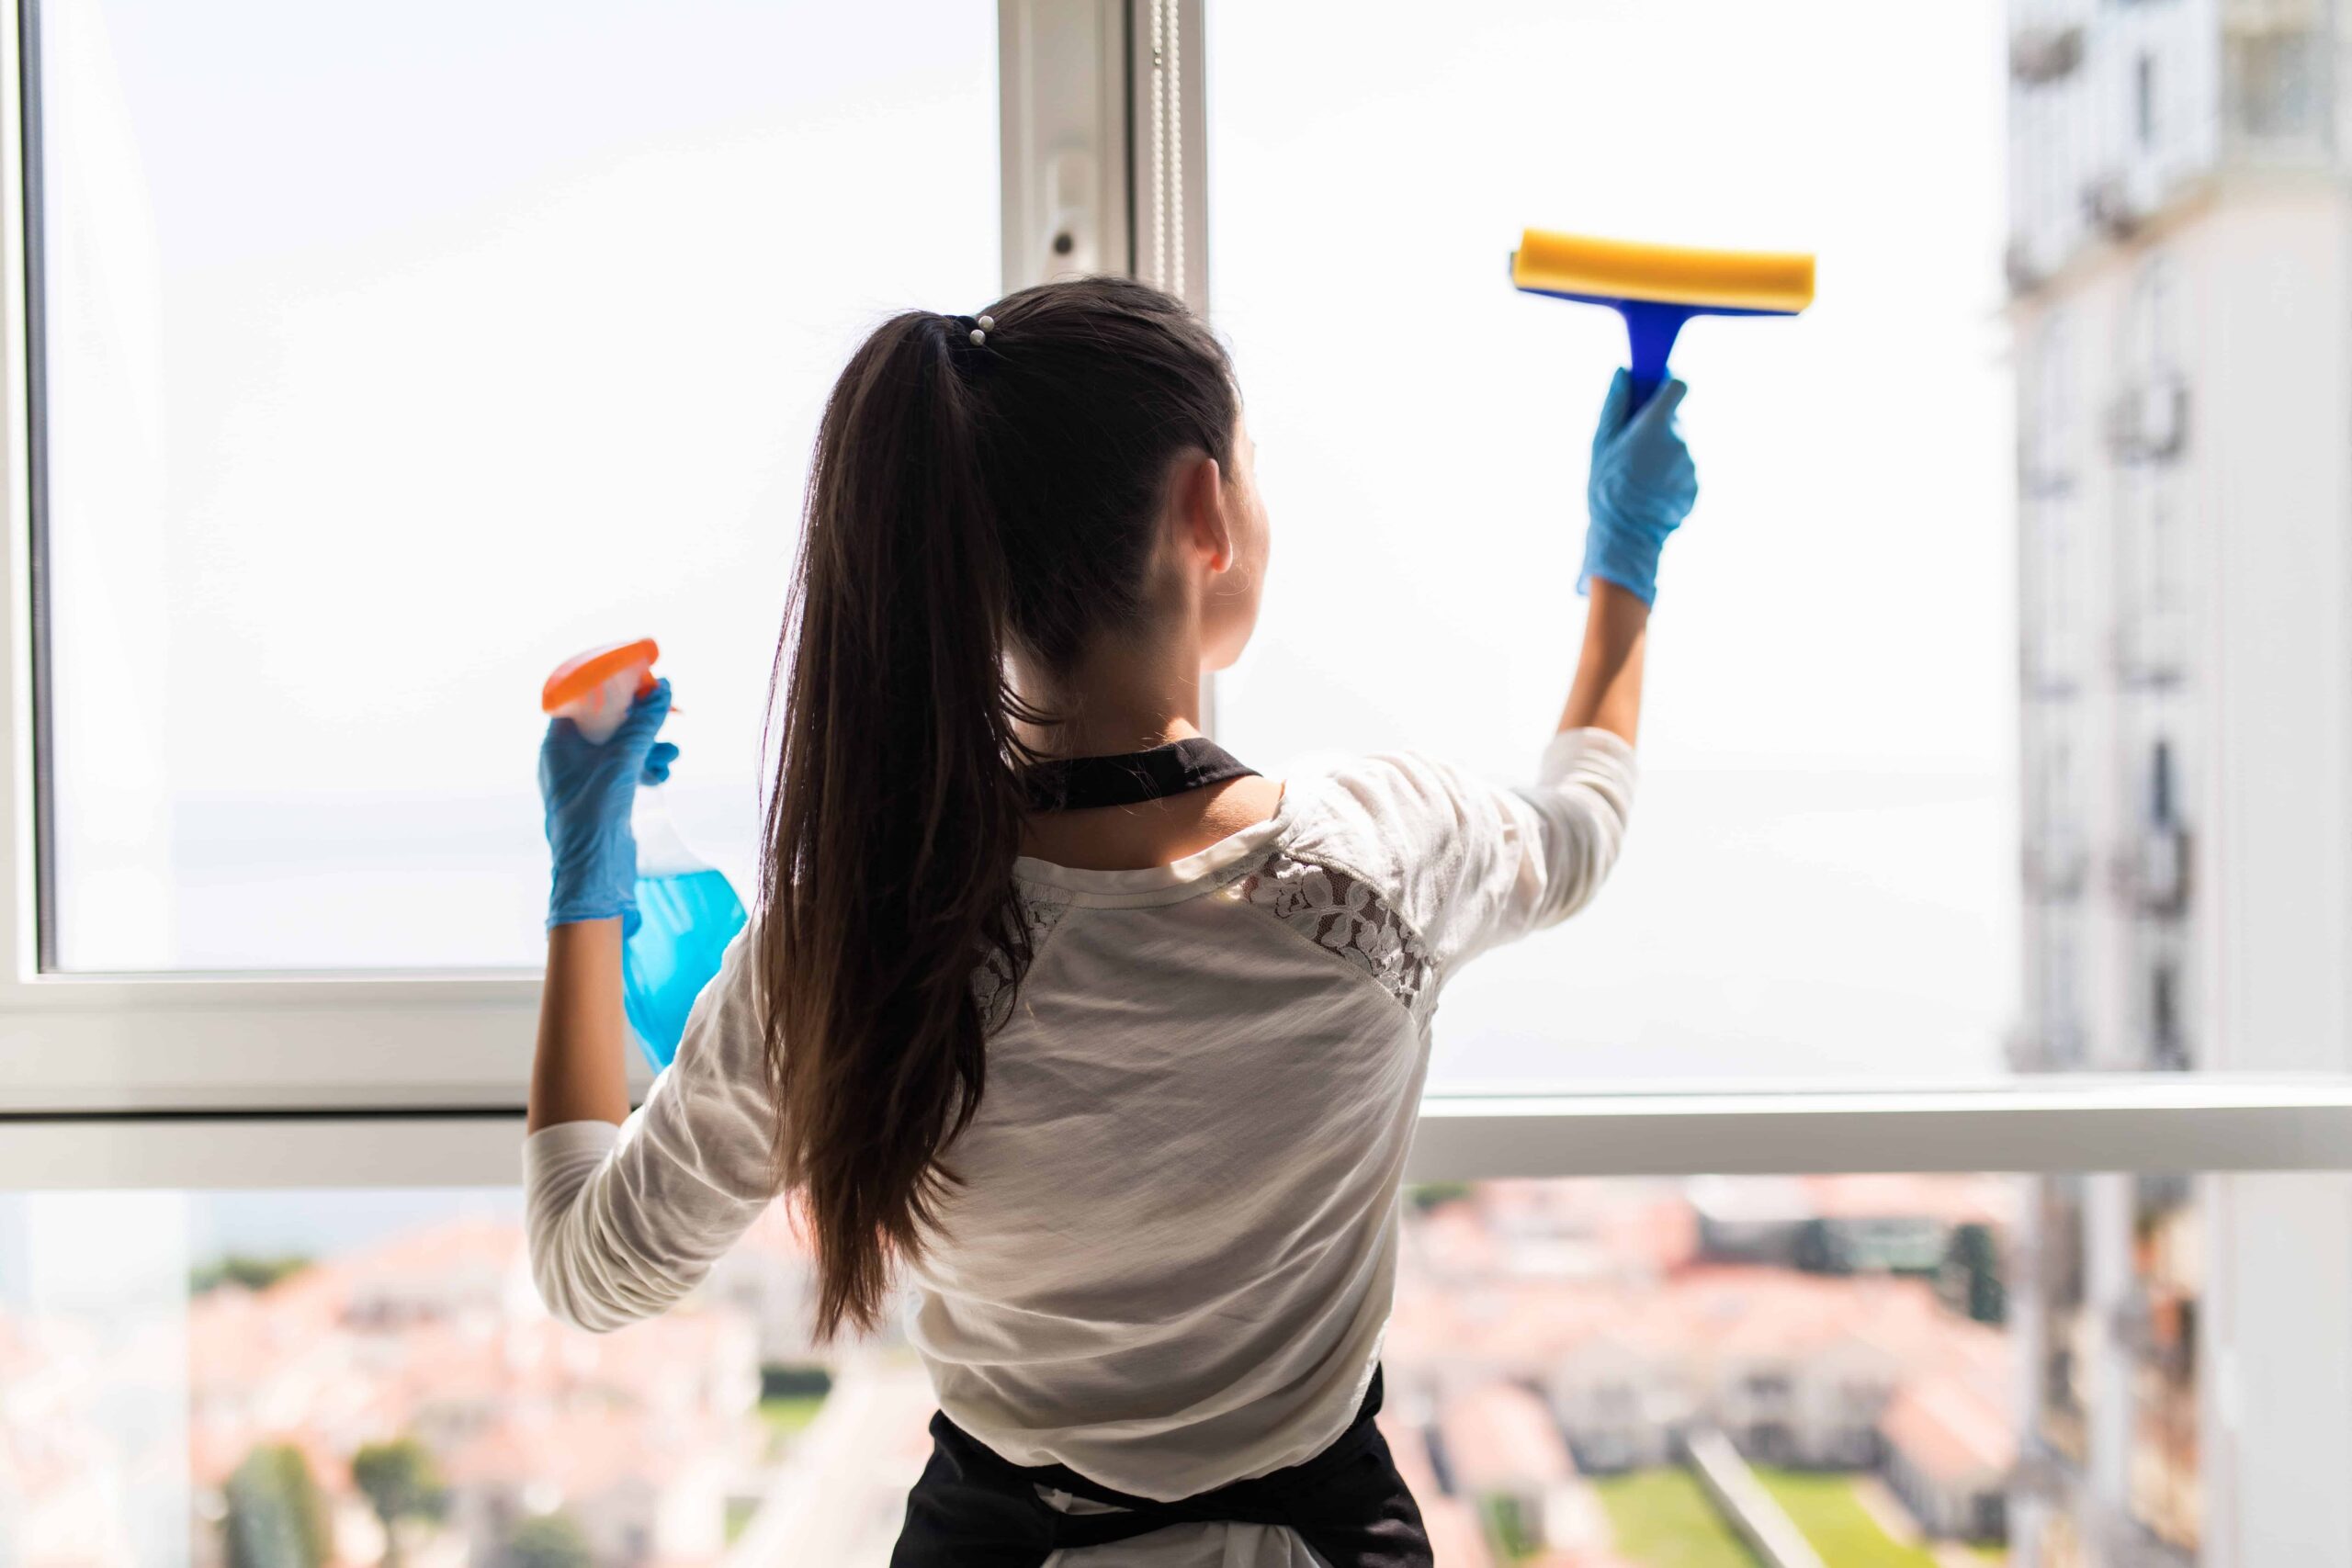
{"points": [[2180, 1125]]}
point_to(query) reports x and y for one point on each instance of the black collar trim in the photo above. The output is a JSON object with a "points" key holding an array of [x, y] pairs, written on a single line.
{"points": [[1075, 784]]}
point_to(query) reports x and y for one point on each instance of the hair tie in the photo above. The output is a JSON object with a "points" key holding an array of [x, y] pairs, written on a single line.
{"points": [[975, 328]]}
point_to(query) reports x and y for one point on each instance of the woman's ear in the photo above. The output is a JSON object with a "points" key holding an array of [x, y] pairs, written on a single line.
{"points": [[1203, 500]]}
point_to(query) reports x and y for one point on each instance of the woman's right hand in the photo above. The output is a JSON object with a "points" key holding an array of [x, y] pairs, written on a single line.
{"points": [[1642, 485], [589, 790]]}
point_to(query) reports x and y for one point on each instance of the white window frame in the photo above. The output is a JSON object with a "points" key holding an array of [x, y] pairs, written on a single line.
{"points": [[204, 1081], [180, 1042], [2159, 1124]]}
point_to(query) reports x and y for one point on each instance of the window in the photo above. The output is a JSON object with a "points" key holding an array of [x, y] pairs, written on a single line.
{"points": [[2166, 1047], [1830, 857], [2160, 786], [1835, 855], [390, 354], [2274, 68]]}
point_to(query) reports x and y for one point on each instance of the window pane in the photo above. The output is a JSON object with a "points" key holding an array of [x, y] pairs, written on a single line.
{"points": [[1819, 876], [2075, 444], [395, 354], [2086, 1368]]}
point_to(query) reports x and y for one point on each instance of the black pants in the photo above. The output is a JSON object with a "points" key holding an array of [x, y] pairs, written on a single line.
{"points": [[973, 1508]]}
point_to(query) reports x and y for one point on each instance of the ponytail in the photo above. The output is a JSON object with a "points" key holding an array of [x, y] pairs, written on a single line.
{"points": [[967, 501]]}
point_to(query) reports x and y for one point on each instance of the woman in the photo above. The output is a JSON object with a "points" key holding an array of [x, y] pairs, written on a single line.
{"points": [[1055, 1012]]}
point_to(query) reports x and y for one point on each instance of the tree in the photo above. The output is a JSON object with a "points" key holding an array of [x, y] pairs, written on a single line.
{"points": [[236, 1268], [546, 1541], [1971, 1280], [1820, 1250], [1430, 1195], [1507, 1526], [276, 1515], [402, 1483]]}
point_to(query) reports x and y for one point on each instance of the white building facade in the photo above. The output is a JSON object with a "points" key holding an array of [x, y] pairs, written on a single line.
{"points": [[2180, 265]]}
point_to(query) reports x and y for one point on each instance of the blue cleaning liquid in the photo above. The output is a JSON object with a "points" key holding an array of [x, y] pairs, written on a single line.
{"points": [[688, 920]]}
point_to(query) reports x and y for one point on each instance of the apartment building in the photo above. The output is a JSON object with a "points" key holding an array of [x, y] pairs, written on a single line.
{"points": [[2179, 268]]}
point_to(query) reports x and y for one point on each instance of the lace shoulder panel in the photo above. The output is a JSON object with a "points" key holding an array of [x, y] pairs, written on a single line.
{"points": [[1343, 914], [992, 987]]}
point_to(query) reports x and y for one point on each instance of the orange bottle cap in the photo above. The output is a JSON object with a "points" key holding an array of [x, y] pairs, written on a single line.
{"points": [[581, 675]]}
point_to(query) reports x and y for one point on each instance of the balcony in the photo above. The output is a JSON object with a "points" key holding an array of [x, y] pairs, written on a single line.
{"points": [[2054, 865], [2150, 648], [2041, 55], [2275, 88], [2147, 420], [2150, 875], [2152, 1328], [2118, 203]]}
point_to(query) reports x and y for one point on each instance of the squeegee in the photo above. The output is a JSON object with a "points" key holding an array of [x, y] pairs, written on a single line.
{"points": [[1658, 287]]}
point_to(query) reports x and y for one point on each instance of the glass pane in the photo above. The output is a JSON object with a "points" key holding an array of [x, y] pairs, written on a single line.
{"points": [[2025, 441], [1819, 879], [1908, 1371], [395, 353]]}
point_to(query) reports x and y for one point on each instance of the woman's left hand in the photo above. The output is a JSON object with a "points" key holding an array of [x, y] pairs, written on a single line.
{"points": [[1642, 485], [588, 791]]}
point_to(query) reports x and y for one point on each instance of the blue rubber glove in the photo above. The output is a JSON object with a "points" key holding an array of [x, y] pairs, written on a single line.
{"points": [[588, 790], [1642, 486]]}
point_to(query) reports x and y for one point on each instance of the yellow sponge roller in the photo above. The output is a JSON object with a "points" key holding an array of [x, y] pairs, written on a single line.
{"points": [[1549, 263], [1658, 287]]}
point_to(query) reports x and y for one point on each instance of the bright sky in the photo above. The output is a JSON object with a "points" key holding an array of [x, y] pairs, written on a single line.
{"points": [[386, 373], [479, 336]]}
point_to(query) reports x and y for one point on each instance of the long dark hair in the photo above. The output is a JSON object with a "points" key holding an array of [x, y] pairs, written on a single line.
{"points": [[968, 501]]}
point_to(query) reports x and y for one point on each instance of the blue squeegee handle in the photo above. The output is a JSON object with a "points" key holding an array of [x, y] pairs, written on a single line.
{"points": [[1650, 329]]}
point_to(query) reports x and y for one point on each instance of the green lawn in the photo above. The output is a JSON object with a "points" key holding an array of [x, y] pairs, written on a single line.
{"points": [[1663, 1519], [1840, 1528]]}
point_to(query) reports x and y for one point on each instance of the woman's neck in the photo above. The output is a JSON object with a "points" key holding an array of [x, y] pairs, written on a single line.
{"points": [[1121, 698], [1131, 698]]}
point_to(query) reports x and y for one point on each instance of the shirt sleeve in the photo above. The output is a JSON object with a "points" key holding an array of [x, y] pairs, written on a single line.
{"points": [[625, 1221], [1475, 864]]}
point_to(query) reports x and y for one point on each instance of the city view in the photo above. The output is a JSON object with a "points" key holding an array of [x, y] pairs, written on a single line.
{"points": [[1597, 1374]]}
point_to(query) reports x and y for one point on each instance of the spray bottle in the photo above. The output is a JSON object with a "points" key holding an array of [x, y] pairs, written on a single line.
{"points": [[687, 910]]}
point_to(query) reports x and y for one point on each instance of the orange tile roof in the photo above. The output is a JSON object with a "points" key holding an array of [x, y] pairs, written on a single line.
{"points": [[438, 1331], [1456, 1538], [1692, 1325], [1946, 1428], [1501, 1438], [1411, 1452]]}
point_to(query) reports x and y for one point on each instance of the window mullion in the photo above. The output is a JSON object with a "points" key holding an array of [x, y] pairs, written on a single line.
{"points": [[1062, 96]]}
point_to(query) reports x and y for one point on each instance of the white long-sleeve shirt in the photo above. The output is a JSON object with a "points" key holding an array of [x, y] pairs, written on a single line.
{"points": [[1172, 1256]]}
